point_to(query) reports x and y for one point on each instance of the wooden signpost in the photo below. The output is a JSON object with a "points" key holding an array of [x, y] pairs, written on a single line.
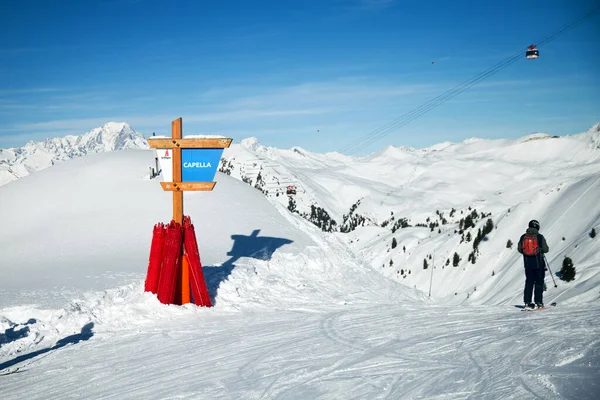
{"points": [[188, 164], [176, 144]]}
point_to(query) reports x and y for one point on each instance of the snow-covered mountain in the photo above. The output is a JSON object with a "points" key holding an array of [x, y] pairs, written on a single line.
{"points": [[330, 180], [297, 314], [403, 209], [409, 212], [18, 162]]}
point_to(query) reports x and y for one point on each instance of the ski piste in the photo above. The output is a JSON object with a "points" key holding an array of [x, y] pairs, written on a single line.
{"points": [[553, 304]]}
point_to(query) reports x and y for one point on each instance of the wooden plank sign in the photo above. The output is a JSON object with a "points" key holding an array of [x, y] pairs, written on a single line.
{"points": [[194, 163], [185, 186], [191, 143]]}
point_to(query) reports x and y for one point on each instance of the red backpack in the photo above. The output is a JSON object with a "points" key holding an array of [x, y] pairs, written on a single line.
{"points": [[530, 245]]}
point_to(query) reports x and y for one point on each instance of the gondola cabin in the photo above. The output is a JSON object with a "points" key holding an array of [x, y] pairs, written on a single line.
{"points": [[532, 52], [291, 190]]}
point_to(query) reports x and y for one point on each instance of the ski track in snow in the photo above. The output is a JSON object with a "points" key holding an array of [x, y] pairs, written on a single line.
{"points": [[377, 351]]}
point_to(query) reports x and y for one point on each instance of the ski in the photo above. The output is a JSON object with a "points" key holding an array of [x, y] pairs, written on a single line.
{"points": [[9, 371], [553, 304]]}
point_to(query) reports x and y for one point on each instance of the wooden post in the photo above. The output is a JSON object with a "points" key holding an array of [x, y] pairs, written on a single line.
{"points": [[176, 130], [176, 144]]}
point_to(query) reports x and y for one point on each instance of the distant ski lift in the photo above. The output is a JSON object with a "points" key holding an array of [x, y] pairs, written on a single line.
{"points": [[291, 190], [532, 52]]}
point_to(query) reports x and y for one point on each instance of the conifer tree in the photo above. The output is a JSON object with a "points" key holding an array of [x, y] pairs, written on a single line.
{"points": [[567, 272], [455, 259], [291, 204]]}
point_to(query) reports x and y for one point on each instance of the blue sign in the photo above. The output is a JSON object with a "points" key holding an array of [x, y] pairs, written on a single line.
{"points": [[199, 165]]}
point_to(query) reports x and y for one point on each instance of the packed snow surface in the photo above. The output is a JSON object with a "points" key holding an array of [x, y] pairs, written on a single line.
{"points": [[298, 314]]}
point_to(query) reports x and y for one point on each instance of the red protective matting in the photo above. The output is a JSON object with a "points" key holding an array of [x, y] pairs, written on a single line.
{"points": [[156, 252], [170, 264], [199, 290]]}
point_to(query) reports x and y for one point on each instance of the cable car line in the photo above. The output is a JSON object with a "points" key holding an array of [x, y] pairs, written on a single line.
{"points": [[401, 121], [359, 143], [424, 108], [569, 26], [542, 42]]}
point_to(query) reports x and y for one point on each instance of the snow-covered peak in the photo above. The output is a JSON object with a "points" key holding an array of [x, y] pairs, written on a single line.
{"points": [[591, 136], [392, 153], [250, 143], [253, 145], [111, 137], [439, 146], [299, 151], [594, 129], [34, 156], [534, 136], [472, 140]]}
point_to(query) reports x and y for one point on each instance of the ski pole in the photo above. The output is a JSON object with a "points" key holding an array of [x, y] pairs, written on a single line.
{"points": [[431, 278], [551, 274]]}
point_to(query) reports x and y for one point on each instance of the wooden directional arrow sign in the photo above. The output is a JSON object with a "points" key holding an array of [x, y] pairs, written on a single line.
{"points": [[185, 186], [191, 143]]}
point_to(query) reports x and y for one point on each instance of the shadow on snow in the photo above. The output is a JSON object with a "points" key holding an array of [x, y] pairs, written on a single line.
{"points": [[11, 334], [252, 246], [85, 334]]}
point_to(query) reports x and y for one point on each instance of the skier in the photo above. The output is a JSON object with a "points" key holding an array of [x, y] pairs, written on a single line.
{"points": [[533, 246]]}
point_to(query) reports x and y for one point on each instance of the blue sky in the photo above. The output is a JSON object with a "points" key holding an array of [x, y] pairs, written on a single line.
{"points": [[318, 74]]}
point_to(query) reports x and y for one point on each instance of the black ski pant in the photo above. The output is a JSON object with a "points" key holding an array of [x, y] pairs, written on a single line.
{"points": [[534, 280]]}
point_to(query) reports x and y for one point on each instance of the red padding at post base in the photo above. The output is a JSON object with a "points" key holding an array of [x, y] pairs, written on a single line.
{"points": [[156, 253], [170, 264], [199, 290]]}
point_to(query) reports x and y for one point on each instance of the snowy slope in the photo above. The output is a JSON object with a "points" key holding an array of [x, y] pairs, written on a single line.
{"points": [[552, 179], [297, 315], [18, 162], [110, 197]]}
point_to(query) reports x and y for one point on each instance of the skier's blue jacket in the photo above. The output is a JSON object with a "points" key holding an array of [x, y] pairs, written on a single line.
{"points": [[537, 261]]}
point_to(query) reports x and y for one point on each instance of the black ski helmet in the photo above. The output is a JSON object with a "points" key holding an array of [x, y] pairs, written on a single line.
{"points": [[534, 224]]}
